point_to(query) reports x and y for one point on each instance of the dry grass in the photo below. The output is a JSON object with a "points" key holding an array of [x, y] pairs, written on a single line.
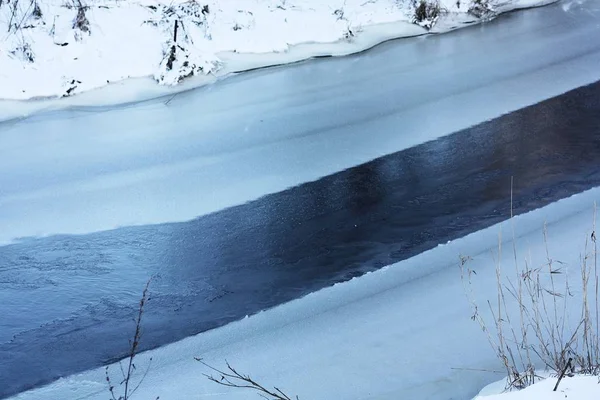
{"points": [[543, 329]]}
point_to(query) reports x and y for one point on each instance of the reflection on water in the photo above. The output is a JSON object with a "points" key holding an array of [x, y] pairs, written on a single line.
{"points": [[67, 301]]}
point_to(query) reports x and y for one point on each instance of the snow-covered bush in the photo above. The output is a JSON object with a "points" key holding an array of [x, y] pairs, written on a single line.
{"points": [[483, 9], [23, 52], [181, 59], [426, 12], [189, 12], [81, 24], [180, 62], [18, 15]]}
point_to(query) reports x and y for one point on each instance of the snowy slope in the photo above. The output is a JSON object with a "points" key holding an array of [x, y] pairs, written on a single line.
{"points": [[53, 48]]}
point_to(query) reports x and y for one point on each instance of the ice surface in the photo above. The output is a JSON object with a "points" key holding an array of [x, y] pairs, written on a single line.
{"points": [[85, 170]]}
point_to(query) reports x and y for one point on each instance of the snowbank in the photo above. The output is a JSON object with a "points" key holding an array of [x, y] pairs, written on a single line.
{"points": [[572, 388], [56, 48]]}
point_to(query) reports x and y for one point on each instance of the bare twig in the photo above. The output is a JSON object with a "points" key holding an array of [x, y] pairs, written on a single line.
{"points": [[128, 373], [232, 378]]}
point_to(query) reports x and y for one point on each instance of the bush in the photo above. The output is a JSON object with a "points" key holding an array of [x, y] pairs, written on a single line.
{"points": [[426, 12], [482, 9]]}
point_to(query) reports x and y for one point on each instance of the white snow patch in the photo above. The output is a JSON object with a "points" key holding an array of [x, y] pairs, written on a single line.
{"points": [[579, 387]]}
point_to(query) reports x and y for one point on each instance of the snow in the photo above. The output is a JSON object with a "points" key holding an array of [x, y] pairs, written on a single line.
{"points": [[579, 387], [401, 332], [45, 53]]}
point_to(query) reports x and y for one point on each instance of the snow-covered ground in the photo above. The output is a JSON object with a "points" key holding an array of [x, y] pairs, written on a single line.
{"points": [[579, 387], [402, 332], [55, 48]]}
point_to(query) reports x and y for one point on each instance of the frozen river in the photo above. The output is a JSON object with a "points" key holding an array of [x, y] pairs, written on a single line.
{"points": [[299, 177]]}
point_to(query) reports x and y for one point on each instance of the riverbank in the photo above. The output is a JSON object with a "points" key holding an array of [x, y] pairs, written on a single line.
{"points": [[119, 52]]}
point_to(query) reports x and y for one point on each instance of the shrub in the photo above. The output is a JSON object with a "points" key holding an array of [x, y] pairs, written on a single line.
{"points": [[482, 9], [426, 12]]}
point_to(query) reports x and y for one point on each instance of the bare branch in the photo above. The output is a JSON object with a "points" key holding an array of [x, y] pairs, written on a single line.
{"points": [[233, 378]]}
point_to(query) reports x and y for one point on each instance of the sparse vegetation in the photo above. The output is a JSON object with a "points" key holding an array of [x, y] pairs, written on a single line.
{"points": [[339, 13], [37, 11], [126, 386], [232, 378], [81, 24], [482, 9], [532, 318], [18, 15], [426, 12], [24, 51]]}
